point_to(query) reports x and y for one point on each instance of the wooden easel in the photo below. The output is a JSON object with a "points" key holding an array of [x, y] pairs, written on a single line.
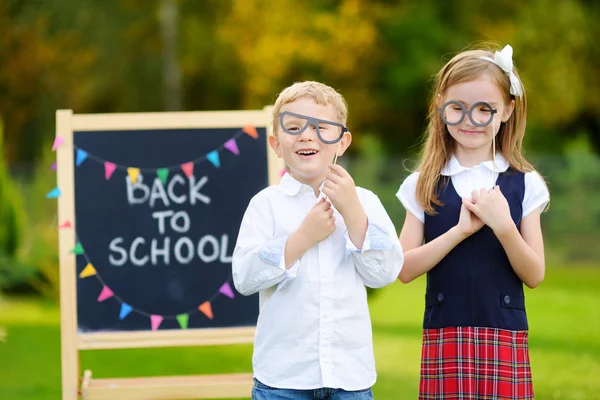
{"points": [[72, 341]]}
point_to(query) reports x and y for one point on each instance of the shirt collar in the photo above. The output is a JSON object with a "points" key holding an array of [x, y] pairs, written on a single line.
{"points": [[453, 167], [292, 187]]}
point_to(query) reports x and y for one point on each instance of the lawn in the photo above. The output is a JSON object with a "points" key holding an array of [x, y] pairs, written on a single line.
{"points": [[564, 337]]}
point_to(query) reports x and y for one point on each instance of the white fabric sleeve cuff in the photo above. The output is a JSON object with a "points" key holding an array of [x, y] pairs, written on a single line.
{"points": [[407, 194], [536, 193]]}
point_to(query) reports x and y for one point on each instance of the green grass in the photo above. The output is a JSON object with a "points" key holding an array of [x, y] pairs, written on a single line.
{"points": [[564, 316]]}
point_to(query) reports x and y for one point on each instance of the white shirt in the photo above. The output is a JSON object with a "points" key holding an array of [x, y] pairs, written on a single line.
{"points": [[314, 328], [465, 180]]}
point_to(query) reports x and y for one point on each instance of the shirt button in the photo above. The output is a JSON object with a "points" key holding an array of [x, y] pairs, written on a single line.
{"points": [[507, 299], [440, 297]]}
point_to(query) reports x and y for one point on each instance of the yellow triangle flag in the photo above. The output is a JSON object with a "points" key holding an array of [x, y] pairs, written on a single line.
{"points": [[133, 174], [206, 309], [89, 270]]}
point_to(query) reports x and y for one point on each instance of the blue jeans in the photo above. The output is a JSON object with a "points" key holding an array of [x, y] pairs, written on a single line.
{"points": [[264, 392]]}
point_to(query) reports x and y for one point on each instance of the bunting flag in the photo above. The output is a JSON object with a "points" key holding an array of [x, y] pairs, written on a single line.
{"points": [[206, 309], [58, 141], [88, 271], [53, 194], [155, 321], [78, 250], [105, 294], [133, 174], [283, 172], [162, 174], [109, 168], [188, 169], [231, 145], [213, 157], [65, 225], [53, 166], [183, 320], [226, 290], [251, 131], [125, 310], [80, 157]]}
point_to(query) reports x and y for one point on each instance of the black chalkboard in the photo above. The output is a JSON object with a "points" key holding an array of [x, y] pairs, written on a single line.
{"points": [[163, 285]]}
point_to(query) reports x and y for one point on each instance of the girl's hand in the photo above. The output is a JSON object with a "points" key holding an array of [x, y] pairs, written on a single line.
{"points": [[492, 208], [468, 223]]}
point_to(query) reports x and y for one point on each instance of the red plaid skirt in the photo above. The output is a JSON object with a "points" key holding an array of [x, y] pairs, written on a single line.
{"points": [[475, 363]]}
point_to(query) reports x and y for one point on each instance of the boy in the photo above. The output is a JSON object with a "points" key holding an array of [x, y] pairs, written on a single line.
{"points": [[310, 245]]}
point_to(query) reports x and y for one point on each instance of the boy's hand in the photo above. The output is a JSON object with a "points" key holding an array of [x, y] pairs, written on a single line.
{"points": [[341, 190], [318, 224]]}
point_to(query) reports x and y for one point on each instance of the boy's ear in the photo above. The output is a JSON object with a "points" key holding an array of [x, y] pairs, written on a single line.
{"points": [[275, 145], [508, 111], [344, 143]]}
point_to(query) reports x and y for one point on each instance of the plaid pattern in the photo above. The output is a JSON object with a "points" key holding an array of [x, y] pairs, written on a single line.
{"points": [[475, 363]]}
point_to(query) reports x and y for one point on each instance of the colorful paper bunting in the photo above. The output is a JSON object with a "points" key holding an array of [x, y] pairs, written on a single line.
{"points": [[213, 157], [155, 321], [53, 166], [80, 157], [226, 290], [78, 250], [251, 131], [109, 168], [183, 320], [125, 310], [188, 168], [133, 174], [282, 172], [65, 225], [162, 174], [88, 271], [53, 194], [231, 145], [206, 309], [58, 141], [105, 294]]}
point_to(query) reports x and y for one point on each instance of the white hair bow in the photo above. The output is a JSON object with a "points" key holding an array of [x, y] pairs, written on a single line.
{"points": [[503, 59]]}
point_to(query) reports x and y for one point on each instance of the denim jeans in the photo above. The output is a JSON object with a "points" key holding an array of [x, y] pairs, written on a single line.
{"points": [[264, 392]]}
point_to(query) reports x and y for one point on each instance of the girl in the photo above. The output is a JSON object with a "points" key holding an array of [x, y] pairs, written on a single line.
{"points": [[473, 225]]}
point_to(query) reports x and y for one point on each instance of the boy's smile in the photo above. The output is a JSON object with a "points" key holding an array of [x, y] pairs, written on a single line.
{"points": [[306, 156]]}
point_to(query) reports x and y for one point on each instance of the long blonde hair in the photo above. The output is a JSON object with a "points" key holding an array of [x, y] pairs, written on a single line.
{"points": [[439, 144]]}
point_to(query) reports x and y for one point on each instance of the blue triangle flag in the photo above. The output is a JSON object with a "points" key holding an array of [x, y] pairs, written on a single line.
{"points": [[81, 156], [125, 310], [53, 194], [213, 157]]}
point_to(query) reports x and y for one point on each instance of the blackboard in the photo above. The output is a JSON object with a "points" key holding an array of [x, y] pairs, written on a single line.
{"points": [[156, 254]]}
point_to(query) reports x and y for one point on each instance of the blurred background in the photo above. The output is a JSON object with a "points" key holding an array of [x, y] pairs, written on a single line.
{"points": [[189, 55]]}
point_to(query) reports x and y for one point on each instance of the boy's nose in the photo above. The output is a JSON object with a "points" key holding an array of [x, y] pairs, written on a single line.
{"points": [[309, 133]]}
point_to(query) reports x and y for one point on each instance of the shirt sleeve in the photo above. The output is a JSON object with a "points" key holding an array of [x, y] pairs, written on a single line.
{"points": [[536, 193], [407, 194], [258, 261], [380, 259]]}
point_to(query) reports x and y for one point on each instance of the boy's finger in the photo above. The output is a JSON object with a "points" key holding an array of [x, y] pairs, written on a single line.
{"points": [[339, 170]]}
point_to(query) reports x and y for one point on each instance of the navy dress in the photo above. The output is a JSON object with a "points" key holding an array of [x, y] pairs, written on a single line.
{"points": [[475, 343]]}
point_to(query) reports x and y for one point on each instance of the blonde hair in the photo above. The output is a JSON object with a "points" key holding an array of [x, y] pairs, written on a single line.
{"points": [[319, 92], [439, 144]]}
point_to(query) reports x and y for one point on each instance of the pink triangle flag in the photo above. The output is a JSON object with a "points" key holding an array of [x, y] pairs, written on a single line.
{"points": [[109, 168], [105, 294], [64, 225], [57, 142], [282, 172], [231, 145], [226, 290], [155, 321], [53, 166], [188, 168]]}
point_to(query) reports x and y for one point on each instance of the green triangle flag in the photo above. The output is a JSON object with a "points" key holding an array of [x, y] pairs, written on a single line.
{"points": [[78, 249], [162, 174], [183, 320]]}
